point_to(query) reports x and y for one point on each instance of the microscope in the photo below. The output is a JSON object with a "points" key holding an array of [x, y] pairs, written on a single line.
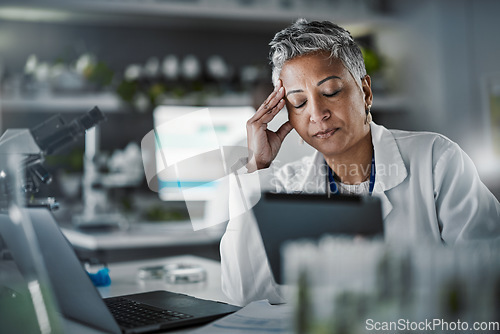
{"points": [[31, 146], [25, 287]]}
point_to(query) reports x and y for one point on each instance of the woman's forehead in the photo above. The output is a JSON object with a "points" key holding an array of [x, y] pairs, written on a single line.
{"points": [[313, 67]]}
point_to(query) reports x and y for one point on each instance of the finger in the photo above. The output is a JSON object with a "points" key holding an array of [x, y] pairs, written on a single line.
{"points": [[269, 116], [273, 93], [278, 86], [284, 130], [272, 100], [269, 104]]}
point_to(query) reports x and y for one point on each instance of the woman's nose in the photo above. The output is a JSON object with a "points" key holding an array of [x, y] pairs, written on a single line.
{"points": [[319, 112]]}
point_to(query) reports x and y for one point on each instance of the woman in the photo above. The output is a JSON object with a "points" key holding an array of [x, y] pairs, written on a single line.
{"points": [[428, 186]]}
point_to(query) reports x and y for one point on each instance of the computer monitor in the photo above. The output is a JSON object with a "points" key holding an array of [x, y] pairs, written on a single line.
{"points": [[188, 142]]}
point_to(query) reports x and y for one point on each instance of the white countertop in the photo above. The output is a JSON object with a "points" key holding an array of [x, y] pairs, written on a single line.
{"points": [[171, 234]]}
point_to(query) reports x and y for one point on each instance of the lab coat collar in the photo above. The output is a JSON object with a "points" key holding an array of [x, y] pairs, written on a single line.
{"points": [[390, 168], [319, 168]]}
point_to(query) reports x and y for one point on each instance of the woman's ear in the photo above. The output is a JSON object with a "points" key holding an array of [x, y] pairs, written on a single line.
{"points": [[366, 87]]}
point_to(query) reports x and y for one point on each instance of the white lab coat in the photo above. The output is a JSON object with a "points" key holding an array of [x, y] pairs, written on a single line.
{"points": [[428, 186]]}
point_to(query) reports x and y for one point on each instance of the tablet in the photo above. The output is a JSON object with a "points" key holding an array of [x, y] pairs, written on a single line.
{"points": [[284, 217]]}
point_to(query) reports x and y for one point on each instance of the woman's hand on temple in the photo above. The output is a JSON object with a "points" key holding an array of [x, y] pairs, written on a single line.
{"points": [[264, 144]]}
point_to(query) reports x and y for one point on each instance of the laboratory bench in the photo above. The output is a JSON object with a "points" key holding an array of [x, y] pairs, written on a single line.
{"points": [[135, 237], [136, 243]]}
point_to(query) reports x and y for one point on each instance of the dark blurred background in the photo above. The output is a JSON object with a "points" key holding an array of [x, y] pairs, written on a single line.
{"points": [[434, 63]]}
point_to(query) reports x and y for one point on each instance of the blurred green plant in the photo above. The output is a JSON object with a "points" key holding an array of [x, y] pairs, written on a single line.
{"points": [[373, 61], [156, 91], [159, 213], [99, 74], [127, 90]]}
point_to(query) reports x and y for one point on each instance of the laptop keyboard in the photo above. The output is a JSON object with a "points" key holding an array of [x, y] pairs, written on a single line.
{"points": [[131, 314]]}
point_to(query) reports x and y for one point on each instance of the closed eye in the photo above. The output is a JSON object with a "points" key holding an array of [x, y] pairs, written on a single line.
{"points": [[300, 105], [332, 94], [326, 95]]}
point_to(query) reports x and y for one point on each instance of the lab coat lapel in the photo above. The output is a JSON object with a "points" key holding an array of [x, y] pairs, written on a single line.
{"points": [[315, 178], [390, 168], [386, 204]]}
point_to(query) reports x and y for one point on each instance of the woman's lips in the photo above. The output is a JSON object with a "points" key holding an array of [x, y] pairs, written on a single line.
{"points": [[325, 134]]}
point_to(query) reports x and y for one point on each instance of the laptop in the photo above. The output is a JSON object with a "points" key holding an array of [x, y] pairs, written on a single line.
{"points": [[285, 217], [79, 300]]}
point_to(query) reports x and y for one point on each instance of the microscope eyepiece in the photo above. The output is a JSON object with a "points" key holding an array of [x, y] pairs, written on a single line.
{"points": [[54, 133], [91, 118]]}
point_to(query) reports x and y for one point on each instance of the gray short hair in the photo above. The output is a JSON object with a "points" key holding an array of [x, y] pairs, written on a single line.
{"points": [[304, 37]]}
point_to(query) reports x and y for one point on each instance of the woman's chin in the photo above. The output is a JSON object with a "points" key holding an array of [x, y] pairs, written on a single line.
{"points": [[327, 147], [329, 151]]}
